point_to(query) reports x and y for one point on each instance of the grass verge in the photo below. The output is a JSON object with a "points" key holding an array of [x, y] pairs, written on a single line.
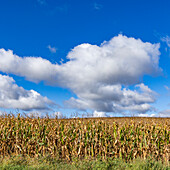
{"points": [[43, 163]]}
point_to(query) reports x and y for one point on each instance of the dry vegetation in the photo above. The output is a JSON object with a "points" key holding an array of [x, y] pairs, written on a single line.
{"points": [[125, 138]]}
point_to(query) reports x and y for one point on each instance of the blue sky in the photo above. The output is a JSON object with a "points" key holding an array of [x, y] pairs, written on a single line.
{"points": [[67, 35]]}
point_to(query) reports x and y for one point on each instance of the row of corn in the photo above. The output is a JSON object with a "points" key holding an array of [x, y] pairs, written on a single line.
{"points": [[81, 138]]}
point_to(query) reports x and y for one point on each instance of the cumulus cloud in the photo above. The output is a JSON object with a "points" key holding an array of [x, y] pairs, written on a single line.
{"points": [[146, 115], [14, 97], [99, 114], [165, 113], [121, 60], [35, 69], [115, 99], [52, 49], [100, 76]]}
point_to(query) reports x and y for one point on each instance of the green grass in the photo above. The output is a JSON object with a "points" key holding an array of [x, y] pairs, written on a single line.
{"points": [[43, 163]]}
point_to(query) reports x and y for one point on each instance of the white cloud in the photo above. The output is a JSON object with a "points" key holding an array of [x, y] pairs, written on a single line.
{"points": [[52, 49], [166, 40], [146, 115], [120, 61], [100, 76], [165, 113], [34, 69], [99, 114], [114, 99], [15, 97]]}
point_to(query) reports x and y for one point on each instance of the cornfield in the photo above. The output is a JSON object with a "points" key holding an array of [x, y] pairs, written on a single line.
{"points": [[125, 138]]}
